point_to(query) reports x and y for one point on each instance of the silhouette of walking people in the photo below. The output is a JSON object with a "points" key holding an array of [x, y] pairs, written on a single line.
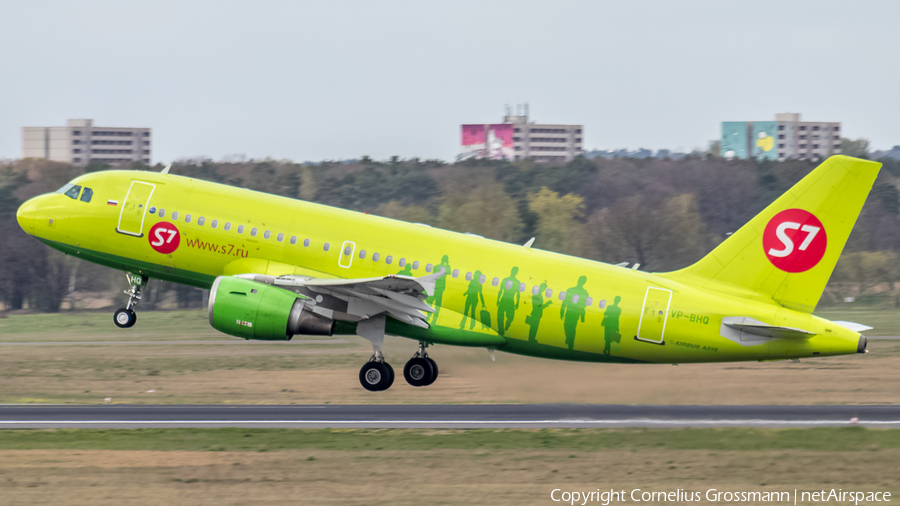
{"points": [[537, 312], [611, 325], [472, 295], [507, 301], [572, 310], [440, 285]]}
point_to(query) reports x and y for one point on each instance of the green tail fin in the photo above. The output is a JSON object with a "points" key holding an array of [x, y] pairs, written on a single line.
{"points": [[789, 250]]}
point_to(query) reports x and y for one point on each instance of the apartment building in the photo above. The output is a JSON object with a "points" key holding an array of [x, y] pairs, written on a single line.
{"points": [[786, 137], [80, 143]]}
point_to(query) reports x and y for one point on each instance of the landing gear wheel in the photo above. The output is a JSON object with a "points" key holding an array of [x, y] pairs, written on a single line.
{"points": [[376, 376], [434, 369], [418, 372], [124, 318]]}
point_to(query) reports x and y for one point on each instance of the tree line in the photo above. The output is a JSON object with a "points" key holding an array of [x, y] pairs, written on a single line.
{"points": [[661, 213]]}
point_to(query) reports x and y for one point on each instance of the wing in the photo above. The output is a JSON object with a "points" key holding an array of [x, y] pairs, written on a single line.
{"points": [[401, 297]]}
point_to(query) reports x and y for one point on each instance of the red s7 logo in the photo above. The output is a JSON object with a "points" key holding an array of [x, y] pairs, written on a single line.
{"points": [[164, 237]]}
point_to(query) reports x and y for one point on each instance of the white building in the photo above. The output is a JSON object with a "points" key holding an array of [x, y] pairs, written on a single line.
{"points": [[80, 143]]}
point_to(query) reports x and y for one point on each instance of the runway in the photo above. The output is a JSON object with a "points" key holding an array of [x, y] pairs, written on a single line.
{"points": [[443, 416]]}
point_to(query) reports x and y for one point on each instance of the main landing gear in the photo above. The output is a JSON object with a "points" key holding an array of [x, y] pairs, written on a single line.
{"points": [[377, 375], [126, 317], [420, 370]]}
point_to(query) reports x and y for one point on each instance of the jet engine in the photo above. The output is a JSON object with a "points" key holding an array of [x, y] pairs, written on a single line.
{"points": [[244, 308]]}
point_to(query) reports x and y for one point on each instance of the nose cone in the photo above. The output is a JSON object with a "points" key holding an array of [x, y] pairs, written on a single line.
{"points": [[27, 215]]}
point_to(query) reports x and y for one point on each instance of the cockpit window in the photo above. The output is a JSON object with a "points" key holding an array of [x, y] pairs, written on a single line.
{"points": [[86, 196], [70, 190]]}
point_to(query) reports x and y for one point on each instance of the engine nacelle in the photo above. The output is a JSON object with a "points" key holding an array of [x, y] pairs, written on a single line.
{"points": [[244, 308]]}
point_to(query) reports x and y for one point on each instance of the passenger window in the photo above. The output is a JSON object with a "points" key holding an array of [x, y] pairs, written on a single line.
{"points": [[455, 273], [468, 276], [213, 223], [602, 304], [152, 210], [227, 226], [389, 259], [375, 257], [416, 265], [428, 268], [86, 196], [508, 284], [362, 254], [267, 234], [162, 212], [280, 237], [495, 281], [588, 301], [306, 243], [293, 239], [327, 245], [535, 290], [240, 229], [201, 220], [482, 278], [522, 287], [252, 231], [562, 295], [402, 262], [575, 299], [174, 215], [347, 251], [187, 218], [549, 293], [73, 192]]}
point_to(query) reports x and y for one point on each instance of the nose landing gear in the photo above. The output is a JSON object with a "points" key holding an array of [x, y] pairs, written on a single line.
{"points": [[126, 317]]}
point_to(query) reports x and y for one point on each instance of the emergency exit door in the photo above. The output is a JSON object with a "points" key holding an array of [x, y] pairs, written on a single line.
{"points": [[652, 327]]}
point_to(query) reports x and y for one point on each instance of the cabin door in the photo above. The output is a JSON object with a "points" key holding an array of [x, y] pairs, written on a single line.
{"points": [[134, 210], [652, 327]]}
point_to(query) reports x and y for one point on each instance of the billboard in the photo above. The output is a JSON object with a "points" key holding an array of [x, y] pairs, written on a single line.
{"points": [[487, 141], [756, 139], [734, 139], [765, 134]]}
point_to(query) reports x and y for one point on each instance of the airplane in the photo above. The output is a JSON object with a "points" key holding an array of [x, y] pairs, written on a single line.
{"points": [[278, 267]]}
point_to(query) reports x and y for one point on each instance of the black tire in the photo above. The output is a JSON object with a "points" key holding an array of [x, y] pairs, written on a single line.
{"points": [[418, 372], [124, 318], [376, 376], [390, 375], [434, 369]]}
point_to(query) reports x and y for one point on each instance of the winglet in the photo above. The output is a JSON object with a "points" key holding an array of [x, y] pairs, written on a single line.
{"points": [[166, 170], [529, 243]]}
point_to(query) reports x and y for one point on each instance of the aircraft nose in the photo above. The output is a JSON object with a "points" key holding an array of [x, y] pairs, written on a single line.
{"points": [[27, 215]]}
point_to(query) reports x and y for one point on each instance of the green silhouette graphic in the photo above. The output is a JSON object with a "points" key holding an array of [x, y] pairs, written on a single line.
{"points": [[572, 310], [611, 325], [440, 285], [507, 301], [472, 295], [537, 312], [407, 270]]}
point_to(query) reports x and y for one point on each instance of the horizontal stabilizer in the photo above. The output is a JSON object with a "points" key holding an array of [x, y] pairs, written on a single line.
{"points": [[758, 328], [746, 331], [855, 327]]}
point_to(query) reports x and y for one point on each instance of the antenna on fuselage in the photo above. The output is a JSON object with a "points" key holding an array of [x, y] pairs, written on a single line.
{"points": [[166, 170], [529, 243]]}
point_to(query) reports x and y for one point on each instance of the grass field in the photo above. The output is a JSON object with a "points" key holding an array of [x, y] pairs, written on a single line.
{"points": [[239, 466], [175, 357]]}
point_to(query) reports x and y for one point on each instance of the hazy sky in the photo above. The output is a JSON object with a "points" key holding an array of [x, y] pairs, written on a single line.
{"points": [[338, 80]]}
